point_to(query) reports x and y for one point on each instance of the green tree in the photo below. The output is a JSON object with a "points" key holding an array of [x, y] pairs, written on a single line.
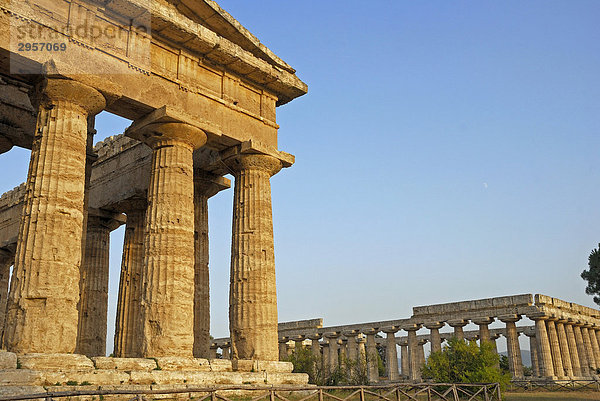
{"points": [[464, 362], [592, 275]]}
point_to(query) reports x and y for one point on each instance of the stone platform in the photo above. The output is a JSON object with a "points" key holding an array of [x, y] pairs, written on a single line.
{"points": [[37, 373]]}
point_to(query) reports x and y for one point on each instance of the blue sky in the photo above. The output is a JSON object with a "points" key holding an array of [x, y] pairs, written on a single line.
{"points": [[447, 150]]}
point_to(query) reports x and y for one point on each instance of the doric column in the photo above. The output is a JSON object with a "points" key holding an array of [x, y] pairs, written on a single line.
{"points": [[575, 360], [352, 345], [283, 348], [404, 358], [391, 354], [361, 343], [343, 355], [326, 365], [564, 348], [212, 353], [458, 325], [372, 365], [582, 351], [332, 339], [493, 338], [436, 340], [42, 307], [594, 342], [93, 301], [414, 366], [225, 349], [298, 343], [6, 260], [589, 349], [484, 330], [315, 348], [206, 185], [559, 370], [515, 363], [544, 353], [421, 352], [169, 262], [128, 327], [253, 294], [533, 350]]}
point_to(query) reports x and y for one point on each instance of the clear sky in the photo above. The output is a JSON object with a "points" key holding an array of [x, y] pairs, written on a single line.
{"points": [[447, 150]]}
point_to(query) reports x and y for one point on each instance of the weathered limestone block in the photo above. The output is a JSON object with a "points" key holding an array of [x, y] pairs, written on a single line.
{"points": [[220, 365], [191, 378], [56, 362], [20, 390], [253, 293], [182, 364], [8, 360], [94, 377], [297, 379], [42, 306], [125, 364], [253, 378], [128, 328], [168, 275], [17, 377], [244, 365]]}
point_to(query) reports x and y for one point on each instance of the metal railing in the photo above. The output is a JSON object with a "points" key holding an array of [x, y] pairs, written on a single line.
{"points": [[558, 385], [396, 392]]}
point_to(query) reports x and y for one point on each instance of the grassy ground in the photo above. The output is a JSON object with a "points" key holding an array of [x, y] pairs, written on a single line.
{"points": [[551, 396]]}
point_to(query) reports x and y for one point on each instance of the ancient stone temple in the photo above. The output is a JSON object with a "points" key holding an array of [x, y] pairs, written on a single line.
{"points": [[202, 94], [563, 338]]}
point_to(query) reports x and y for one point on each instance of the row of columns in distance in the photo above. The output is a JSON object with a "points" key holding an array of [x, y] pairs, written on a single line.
{"points": [[560, 349], [156, 313]]}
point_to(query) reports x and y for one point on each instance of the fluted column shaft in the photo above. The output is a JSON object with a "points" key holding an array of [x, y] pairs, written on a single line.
{"points": [[6, 260], [544, 353], [404, 360], [515, 363], [434, 335], [93, 303], [333, 361], [595, 348], [589, 349], [573, 352], [372, 365], [555, 349], [582, 351], [564, 349], [253, 294], [42, 307], [533, 349], [391, 355], [168, 276], [201, 275], [421, 350], [413, 356], [128, 328]]}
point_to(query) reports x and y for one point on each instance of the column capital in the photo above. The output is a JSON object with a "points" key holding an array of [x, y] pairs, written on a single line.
{"points": [[509, 318], [331, 335], [166, 126], [483, 320], [283, 340], [457, 322], [350, 333], [390, 330], [434, 325], [253, 161], [537, 316], [411, 327], [314, 337], [370, 332], [51, 90], [422, 341]]}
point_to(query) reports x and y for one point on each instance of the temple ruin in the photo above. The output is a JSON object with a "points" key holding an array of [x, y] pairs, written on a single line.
{"points": [[564, 342], [202, 93]]}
